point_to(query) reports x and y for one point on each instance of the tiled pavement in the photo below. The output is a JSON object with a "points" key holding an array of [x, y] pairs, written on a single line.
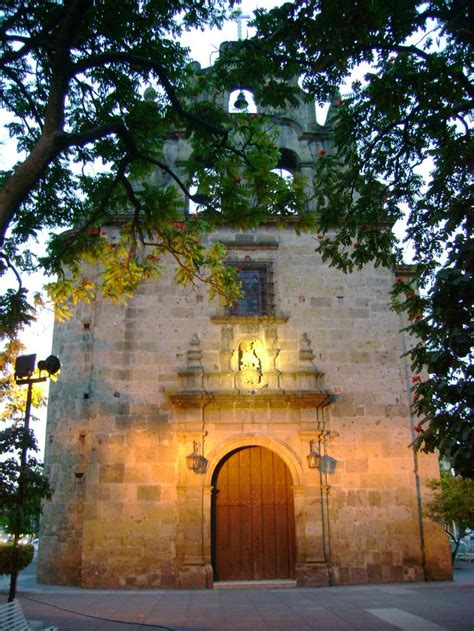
{"points": [[411, 607]]}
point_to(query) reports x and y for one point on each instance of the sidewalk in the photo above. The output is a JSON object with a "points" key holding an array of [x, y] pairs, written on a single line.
{"points": [[408, 606]]}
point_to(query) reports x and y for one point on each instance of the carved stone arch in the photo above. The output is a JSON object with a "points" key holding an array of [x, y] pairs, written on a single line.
{"points": [[286, 453]]}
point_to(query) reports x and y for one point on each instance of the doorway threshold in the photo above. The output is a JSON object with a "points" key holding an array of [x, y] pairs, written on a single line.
{"points": [[277, 583]]}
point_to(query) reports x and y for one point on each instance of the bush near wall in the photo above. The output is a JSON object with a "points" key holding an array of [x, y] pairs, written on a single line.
{"points": [[25, 557]]}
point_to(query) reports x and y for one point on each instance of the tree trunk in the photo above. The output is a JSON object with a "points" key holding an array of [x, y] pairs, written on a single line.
{"points": [[23, 179], [457, 543]]}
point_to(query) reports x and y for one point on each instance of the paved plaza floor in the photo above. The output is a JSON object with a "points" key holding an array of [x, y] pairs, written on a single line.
{"points": [[408, 606]]}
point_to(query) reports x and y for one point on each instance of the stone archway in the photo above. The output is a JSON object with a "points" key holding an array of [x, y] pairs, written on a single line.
{"points": [[283, 450], [252, 517]]}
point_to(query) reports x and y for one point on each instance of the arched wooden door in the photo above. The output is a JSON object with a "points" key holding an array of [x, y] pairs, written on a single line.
{"points": [[253, 520]]}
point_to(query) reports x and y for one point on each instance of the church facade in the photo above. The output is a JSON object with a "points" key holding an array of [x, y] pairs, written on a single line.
{"points": [[189, 444]]}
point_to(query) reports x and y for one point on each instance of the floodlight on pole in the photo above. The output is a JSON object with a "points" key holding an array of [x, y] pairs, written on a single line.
{"points": [[24, 371], [51, 365], [24, 366]]}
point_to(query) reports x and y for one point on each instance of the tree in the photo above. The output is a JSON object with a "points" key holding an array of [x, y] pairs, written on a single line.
{"points": [[91, 137], [13, 439], [74, 77], [452, 506], [411, 109], [91, 91], [22, 483]]}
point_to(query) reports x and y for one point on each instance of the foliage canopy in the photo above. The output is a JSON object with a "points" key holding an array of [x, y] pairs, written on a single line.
{"points": [[410, 111], [91, 139], [26, 553], [74, 75], [13, 438], [452, 503]]}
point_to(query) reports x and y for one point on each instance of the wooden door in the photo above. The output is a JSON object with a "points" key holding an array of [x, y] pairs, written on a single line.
{"points": [[253, 522]]}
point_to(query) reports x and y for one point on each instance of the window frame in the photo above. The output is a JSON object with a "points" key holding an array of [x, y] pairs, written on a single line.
{"points": [[268, 307]]}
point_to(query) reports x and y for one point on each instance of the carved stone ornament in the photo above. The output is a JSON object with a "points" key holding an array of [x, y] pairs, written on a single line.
{"points": [[306, 352], [250, 357], [194, 354]]}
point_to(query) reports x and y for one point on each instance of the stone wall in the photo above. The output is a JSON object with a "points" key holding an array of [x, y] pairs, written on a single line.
{"points": [[140, 383]]}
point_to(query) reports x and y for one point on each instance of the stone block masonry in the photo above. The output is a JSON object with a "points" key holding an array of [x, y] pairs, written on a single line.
{"points": [[128, 512], [170, 379]]}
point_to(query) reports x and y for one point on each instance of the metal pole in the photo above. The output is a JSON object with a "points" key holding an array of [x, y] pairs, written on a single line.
{"points": [[21, 492], [416, 470]]}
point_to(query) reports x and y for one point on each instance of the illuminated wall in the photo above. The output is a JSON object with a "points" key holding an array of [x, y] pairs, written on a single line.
{"points": [[146, 385]]}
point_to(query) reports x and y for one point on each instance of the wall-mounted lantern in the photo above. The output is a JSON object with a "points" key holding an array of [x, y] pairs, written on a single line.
{"points": [[328, 464], [314, 457], [196, 461]]}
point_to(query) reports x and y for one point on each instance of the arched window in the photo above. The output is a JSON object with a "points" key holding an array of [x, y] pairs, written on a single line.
{"points": [[287, 165], [242, 102], [286, 193], [288, 161]]}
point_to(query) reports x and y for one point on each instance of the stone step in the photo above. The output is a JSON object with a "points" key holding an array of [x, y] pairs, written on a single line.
{"points": [[279, 583]]}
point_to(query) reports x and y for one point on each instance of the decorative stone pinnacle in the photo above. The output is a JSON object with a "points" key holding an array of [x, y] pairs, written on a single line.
{"points": [[194, 354], [306, 352]]}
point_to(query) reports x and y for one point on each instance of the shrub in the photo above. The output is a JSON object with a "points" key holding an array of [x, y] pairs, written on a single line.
{"points": [[25, 557]]}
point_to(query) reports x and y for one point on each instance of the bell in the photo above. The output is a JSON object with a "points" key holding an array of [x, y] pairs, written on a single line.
{"points": [[241, 102]]}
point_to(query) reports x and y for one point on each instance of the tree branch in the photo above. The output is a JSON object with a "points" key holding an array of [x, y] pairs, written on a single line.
{"points": [[32, 42], [118, 128], [132, 59], [10, 265], [102, 206], [21, 86]]}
